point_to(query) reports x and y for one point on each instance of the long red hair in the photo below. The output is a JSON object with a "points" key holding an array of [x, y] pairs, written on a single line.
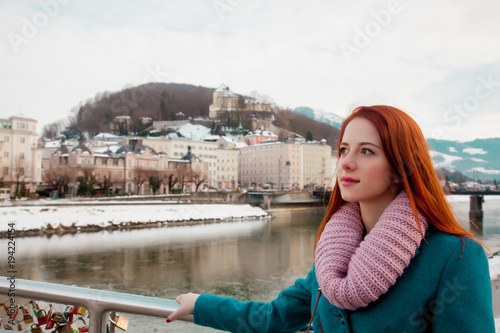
{"points": [[406, 149]]}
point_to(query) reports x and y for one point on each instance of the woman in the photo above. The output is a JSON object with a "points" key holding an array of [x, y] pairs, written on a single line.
{"points": [[390, 256]]}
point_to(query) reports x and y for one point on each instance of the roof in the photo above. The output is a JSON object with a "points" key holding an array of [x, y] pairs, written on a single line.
{"points": [[189, 156], [222, 87], [228, 94], [106, 136]]}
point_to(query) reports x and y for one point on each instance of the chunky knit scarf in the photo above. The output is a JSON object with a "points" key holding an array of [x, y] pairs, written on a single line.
{"points": [[353, 272]]}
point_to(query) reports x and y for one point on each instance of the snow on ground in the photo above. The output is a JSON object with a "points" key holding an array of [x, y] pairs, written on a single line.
{"points": [[36, 217], [193, 132]]}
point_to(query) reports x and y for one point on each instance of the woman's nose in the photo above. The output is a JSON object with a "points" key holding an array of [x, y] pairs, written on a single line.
{"points": [[347, 162]]}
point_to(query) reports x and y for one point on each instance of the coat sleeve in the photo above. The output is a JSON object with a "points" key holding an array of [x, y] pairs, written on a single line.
{"points": [[289, 312], [463, 302]]}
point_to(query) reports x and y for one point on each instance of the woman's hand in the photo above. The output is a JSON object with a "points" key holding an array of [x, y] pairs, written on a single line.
{"points": [[186, 302]]}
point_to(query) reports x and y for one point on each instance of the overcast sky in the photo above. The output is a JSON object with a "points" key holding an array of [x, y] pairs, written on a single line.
{"points": [[437, 60]]}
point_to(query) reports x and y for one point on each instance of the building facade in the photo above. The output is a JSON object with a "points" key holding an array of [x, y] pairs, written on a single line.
{"points": [[134, 168], [227, 164], [20, 158], [176, 148], [285, 165]]}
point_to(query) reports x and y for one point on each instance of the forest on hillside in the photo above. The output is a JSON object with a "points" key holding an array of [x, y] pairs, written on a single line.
{"points": [[172, 101]]}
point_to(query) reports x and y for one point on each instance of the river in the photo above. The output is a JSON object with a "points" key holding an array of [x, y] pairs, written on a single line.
{"points": [[246, 259]]}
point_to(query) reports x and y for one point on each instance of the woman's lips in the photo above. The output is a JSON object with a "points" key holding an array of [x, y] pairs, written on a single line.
{"points": [[347, 181]]}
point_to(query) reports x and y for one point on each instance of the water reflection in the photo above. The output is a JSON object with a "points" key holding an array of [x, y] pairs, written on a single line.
{"points": [[250, 259], [226, 258]]}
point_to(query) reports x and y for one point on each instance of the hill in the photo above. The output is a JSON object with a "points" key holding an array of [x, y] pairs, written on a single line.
{"points": [[173, 101]]}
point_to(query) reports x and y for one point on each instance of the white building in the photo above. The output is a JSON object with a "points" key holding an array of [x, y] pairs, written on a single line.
{"points": [[20, 158]]}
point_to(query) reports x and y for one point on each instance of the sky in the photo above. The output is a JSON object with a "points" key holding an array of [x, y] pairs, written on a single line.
{"points": [[437, 60]]}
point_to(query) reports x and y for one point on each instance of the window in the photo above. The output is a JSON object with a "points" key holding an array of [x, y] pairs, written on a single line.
{"points": [[23, 139], [6, 154], [21, 171], [5, 171], [21, 156], [6, 139]]}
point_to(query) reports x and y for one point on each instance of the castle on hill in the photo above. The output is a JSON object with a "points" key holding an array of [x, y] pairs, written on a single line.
{"points": [[224, 100]]}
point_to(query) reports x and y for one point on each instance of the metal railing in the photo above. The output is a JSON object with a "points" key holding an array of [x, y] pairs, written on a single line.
{"points": [[97, 302]]}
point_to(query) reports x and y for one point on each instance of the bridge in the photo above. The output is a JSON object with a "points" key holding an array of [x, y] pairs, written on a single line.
{"points": [[475, 208]]}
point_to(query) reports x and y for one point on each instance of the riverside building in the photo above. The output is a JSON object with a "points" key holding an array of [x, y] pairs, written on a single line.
{"points": [[20, 158], [285, 165]]}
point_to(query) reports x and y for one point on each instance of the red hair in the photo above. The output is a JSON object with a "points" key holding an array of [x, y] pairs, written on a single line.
{"points": [[406, 149]]}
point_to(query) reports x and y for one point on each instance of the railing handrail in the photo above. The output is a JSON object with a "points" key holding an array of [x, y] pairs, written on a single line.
{"points": [[97, 302]]}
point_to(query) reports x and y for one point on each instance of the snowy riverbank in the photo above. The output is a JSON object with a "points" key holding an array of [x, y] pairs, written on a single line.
{"points": [[70, 218]]}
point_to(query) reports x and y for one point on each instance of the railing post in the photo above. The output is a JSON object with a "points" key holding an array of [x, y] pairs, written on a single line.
{"points": [[476, 214]]}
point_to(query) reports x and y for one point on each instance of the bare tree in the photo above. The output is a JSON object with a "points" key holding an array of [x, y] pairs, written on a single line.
{"points": [[170, 179], [198, 179], [141, 176], [58, 178], [154, 180]]}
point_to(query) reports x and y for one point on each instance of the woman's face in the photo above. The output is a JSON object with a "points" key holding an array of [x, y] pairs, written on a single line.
{"points": [[364, 174]]}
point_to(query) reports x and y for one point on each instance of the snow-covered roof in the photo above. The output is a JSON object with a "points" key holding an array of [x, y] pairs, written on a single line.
{"points": [[211, 138], [222, 87], [240, 144], [258, 132], [229, 94], [224, 109], [228, 139], [106, 136], [52, 144]]}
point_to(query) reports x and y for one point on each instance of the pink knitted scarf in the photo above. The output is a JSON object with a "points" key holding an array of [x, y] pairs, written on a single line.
{"points": [[353, 272]]}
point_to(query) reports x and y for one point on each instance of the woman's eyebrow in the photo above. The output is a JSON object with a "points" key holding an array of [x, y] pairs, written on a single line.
{"points": [[360, 144], [368, 143]]}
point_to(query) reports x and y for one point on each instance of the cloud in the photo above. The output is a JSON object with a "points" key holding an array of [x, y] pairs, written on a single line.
{"points": [[424, 58]]}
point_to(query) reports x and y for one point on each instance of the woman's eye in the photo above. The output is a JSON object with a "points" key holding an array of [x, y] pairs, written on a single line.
{"points": [[366, 151], [343, 151]]}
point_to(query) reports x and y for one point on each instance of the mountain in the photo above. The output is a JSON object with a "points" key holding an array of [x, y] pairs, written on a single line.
{"points": [[320, 115], [477, 159]]}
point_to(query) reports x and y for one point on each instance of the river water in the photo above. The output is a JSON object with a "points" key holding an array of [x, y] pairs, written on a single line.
{"points": [[249, 259]]}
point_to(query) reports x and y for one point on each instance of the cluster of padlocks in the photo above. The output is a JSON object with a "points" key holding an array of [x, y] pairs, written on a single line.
{"points": [[30, 317]]}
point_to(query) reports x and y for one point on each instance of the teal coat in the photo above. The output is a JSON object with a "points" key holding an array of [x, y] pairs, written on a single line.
{"points": [[446, 288]]}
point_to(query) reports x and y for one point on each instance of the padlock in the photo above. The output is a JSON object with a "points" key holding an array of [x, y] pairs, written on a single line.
{"points": [[83, 329], [19, 326], [120, 321], [35, 307], [68, 317], [81, 310], [27, 318], [35, 328], [41, 317], [69, 328], [48, 317], [54, 318]]}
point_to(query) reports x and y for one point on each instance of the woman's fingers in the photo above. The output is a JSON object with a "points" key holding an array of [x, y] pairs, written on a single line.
{"points": [[186, 306]]}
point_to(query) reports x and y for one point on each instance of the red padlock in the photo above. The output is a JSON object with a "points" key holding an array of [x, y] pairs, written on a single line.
{"points": [[27, 318], [42, 317], [83, 329], [51, 321]]}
